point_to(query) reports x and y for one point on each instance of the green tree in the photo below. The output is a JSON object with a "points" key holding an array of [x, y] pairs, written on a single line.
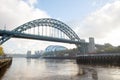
{"points": [[108, 47], [1, 51]]}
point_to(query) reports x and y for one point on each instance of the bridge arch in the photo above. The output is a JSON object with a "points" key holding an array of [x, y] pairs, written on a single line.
{"points": [[44, 22]]}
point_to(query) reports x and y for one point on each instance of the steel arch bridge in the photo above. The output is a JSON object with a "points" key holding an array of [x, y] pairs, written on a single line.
{"points": [[43, 29]]}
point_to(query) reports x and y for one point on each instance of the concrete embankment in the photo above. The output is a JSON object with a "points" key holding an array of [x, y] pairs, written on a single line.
{"points": [[99, 59], [4, 62]]}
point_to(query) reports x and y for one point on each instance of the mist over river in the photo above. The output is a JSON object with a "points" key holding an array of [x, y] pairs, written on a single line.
{"points": [[55, 69]]}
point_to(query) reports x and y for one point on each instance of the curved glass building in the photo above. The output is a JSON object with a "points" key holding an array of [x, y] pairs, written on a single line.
{"points": [[53, 48]]}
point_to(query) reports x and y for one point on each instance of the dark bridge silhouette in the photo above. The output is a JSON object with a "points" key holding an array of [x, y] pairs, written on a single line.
{"points": [[45, 29]]}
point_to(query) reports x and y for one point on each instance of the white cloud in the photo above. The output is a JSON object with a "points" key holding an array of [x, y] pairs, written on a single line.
{"points": [[101, 23], [32, 2], [16, 12]]}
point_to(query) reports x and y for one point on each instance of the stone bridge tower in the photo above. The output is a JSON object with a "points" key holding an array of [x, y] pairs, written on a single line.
{"points": [[91, 45]]}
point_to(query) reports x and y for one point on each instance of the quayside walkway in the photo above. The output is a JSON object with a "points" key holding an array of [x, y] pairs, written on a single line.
{"points": [[5, 62], [99, 59]]}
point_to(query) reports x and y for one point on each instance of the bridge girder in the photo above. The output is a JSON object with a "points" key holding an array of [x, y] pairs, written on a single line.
{"points": [[51, 23], [44, 22]]}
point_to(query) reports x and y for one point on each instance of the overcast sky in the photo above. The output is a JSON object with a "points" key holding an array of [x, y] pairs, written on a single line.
{"points": [[88, 18]]}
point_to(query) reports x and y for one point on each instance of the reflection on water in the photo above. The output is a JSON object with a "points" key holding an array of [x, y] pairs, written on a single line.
{"points": [[49, 69], [29, 69]]}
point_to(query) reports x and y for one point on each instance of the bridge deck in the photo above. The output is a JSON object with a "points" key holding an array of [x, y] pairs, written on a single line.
{"points": [[38, 37]]}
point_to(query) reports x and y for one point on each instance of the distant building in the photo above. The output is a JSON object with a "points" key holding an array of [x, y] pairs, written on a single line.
{"points": [[37, 54], [53, 48], [91, 45], [28, 53]]}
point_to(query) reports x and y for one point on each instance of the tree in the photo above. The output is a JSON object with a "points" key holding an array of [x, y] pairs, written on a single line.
{"points": [[108, 47], [1, 51]]}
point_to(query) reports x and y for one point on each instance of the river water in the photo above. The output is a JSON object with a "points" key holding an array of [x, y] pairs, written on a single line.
{"points": [[48, 69]]}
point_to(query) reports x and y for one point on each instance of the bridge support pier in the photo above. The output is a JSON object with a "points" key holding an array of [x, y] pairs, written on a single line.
{"points": [[91, 45], [83, 48]]}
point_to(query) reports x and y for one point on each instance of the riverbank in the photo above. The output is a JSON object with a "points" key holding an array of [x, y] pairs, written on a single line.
{"points": [[4, 65], [4, 62], [99, 59]]}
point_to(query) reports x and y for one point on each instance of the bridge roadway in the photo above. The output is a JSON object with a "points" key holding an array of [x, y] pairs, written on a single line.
{"points": [[38, 37]]}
